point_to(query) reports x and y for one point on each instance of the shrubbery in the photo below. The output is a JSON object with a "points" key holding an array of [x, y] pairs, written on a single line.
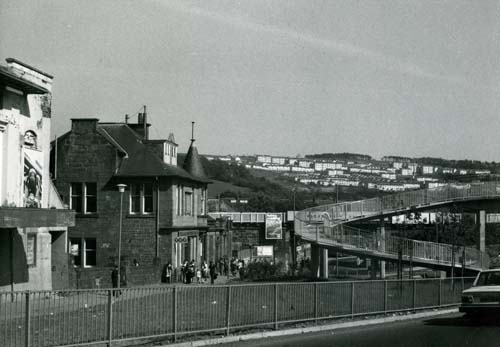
{"points": [[264, 271]]}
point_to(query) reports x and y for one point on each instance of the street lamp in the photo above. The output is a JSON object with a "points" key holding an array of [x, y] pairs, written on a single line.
{"points": [[294, 233], [121, 189]]}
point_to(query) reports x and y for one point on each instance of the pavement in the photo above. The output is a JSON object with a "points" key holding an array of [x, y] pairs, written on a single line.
{"points": [[393, 318], [450, 330]]}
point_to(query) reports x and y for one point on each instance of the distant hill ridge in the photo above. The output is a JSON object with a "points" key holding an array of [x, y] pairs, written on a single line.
{"points": [[339, 156]]}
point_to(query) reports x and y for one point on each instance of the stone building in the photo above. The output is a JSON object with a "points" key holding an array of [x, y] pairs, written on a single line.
{"points": [[33, 221], [163, 209]]}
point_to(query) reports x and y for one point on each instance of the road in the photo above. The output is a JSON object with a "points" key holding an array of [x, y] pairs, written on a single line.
{"points": [[440, 331]]}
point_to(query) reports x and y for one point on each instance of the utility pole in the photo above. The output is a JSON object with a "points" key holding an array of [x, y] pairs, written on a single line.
{"points": [[294, 240], [145, 121]]}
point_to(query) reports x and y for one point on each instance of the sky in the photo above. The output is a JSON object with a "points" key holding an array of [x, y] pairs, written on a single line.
{"points": [[289, 77]]}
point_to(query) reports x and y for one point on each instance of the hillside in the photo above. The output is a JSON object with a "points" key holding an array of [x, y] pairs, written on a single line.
{"points": [[217, 188]]}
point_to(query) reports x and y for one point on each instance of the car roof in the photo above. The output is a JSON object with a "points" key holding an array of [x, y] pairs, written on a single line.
{"points": [[491, 270]]}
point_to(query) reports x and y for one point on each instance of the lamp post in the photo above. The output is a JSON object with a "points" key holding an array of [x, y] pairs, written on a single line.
{"points": [[294, 240], [121, 189]]}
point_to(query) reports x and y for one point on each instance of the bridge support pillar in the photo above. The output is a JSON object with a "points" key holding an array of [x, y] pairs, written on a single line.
{"points": [[382, 247], [324, 263], [482, 231], [315, 261]]}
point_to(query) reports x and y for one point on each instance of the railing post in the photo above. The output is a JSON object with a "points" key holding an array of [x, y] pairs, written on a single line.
{"points": [[175, 312], [276, 306], [316, 302], [385, 297], [440, 299], [352, 300], [228, 310], [110, 318], [414, 295], [27, 332]]}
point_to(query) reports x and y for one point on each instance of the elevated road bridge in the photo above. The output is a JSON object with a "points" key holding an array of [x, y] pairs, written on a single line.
{"points": [[395, 204], [366, 244], [327, 227]]}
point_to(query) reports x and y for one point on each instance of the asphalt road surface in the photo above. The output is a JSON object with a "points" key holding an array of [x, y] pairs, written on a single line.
{"points": [[440, 331]]}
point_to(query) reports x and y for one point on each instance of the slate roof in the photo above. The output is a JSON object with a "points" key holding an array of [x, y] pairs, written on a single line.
{"points": [[193, 165], [138, 159]]}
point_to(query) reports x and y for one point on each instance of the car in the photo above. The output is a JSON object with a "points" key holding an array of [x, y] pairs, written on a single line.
{"points": [[483, 298]]}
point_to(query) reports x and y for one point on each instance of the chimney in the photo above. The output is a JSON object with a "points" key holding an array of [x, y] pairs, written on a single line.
{"points": [[142, 126], [83, 125]]}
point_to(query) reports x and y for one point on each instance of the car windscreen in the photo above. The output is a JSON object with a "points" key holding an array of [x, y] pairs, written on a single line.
{"points": [[489, 279]]}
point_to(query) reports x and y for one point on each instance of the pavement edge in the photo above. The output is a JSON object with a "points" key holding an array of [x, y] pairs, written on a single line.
{"points": [[312, 329]]}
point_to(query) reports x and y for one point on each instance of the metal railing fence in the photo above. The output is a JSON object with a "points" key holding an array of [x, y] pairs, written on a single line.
{"points": [[86, 317], [439, 253], [345, 211]]}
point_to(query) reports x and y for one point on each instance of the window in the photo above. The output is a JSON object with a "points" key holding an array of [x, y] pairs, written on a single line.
{"points": [[141, 198], [90, 252], [148, 198], [203, 201], [31, 249], [90, 197], [188, 203], [84, 251], [178, 198], [135, 198], [83, 197], [76, 197]]}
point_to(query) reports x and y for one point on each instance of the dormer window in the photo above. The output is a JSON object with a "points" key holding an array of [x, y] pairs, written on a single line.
{"points": [[30, 139]]}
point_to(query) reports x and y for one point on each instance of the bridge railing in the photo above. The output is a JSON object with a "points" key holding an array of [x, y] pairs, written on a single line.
{"points": [[340, 212], [361, 240]]}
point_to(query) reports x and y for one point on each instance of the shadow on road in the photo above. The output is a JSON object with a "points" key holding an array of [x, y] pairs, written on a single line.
{"points": [[465, 321]]}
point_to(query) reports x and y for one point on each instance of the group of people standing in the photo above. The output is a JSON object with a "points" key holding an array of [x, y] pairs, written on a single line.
{"points": [[190, 272], [235, 265]]}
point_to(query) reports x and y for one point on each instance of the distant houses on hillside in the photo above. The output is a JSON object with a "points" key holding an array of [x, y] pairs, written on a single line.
{"points": [[391, 173]]}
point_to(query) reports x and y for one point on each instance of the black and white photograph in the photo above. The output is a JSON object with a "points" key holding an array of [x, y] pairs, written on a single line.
{"points": [[249, 173]]}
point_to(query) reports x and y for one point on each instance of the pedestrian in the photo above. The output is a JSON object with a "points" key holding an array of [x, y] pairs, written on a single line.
{"points": [[189, 272], [221, 265], [114, 281], [226, 267], [213, 272], [167, 273], [233, 266], [198, 275], [184, 270], [204, 271], [241, 268]]}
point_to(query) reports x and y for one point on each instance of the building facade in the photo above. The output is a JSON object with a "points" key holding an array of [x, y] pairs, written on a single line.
{"points": [[160, 217], [33, 220]]}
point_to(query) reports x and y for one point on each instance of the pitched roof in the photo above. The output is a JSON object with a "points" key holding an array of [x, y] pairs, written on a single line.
{"points": [[139, 159], [193, 165]]}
